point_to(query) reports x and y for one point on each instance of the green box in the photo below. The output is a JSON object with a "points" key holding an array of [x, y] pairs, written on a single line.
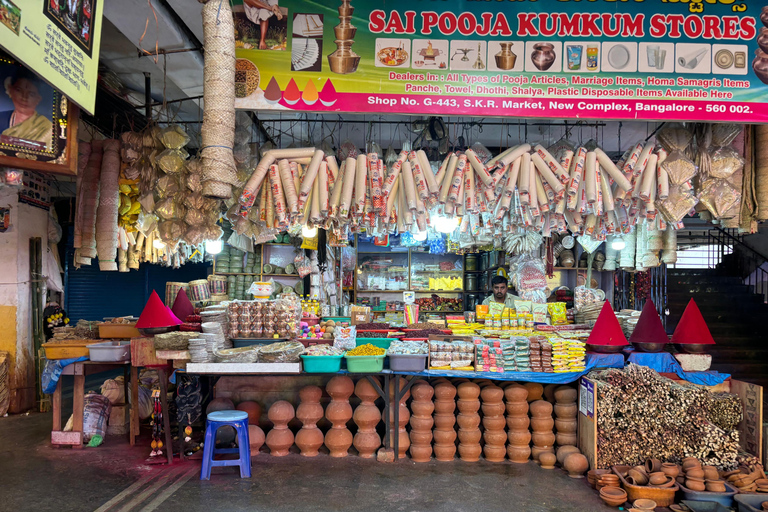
{"points": [[365, 364], [321, 364]]}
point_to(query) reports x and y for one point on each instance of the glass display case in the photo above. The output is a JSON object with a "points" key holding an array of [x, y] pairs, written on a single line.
{"points": [[382, 272], [436, 272]]}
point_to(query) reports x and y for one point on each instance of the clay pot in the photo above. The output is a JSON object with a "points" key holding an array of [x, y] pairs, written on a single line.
{"points": [[445, 391], [637, 477], [576, 465], [444, 421], [540, 408], [695, 485], [444, 407], [535, 391], [470, 436], [422, 391], [710, 473], [538, 450], [470, 452], [652, 466], [694, 473], [542, 424], [566, 426], [468, 391], [494, 437], [547, 460], [518, 422], [493, 409], [690, 462], [670, 469], [762, 39], [220, 404], [256, 439], [563, 439], [715, 485], [419, 423], [420, 437], [566, 410], [516, 393], [280, 438], [492, 394], [366, 417], [566, 394], [468, 406], [421, 453], [422, 408], [543, 439], [549, 392], [564, 451], [517, 409], [519, 437], [445, 452], [543, 56], [760, 65], [448, 436], [340, 387], [657, 478], [593, 474], [493, 452], [253, 409], [518, 454], [494, 422], [764, 15], [468, 421], [644, 505], [640, 469], [309, 440]]}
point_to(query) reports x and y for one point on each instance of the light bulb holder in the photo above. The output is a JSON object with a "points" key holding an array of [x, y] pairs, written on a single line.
{"points": [[213, 246], [308, 232]]}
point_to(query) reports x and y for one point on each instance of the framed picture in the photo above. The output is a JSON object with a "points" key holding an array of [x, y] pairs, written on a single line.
{"points": [[38, 125]]}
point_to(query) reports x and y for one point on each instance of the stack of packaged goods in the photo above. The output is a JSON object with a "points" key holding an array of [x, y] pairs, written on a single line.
{"points": [[522, 353], [576, 355], [457, 355], [535, 353], [560, 355], [546, 357], [490, 356]]}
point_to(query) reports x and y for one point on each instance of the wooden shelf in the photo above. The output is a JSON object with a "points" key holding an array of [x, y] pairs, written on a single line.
{"points": [[439, 291], [235, 274], [297, 276]]}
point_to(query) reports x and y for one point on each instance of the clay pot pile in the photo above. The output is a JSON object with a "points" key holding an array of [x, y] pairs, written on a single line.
{"points": [[366, 417], [469, 421], [421, 422], [652, 474], [613, 496], [566, 411], [541, 423], [696, 477], [280, 438], [747, 478], [445, 418], [518, 422], [309, 439], [572, 461], [338, 439], [493, 423]]}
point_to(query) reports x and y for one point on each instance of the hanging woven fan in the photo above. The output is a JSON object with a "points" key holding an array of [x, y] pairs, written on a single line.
{"points": [[304, 53]]}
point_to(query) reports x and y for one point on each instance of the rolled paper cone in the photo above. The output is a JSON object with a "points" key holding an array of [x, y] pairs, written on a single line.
{"points": [[306, 212], [514, 172], [541, 194], [287, 185], [410, 186], [407, 213], [546, 173], [277, 192], [445, 187], [263, 196], [631, 162], [662, 153], [506, 200], [552, 164], [374, 175], [336, 193], [254, 182], [431, 202], [391, 197], [333, 168], [291, 153], [590, 224], [301, 161], [457, 182], [598, 205], [470, 203], [449, 208], [577, 170], [418, 176], [490, 164], [421, 217], [368, 205], [524, 180], [581, 202], [605, 189], [612, 170], [642, 159], [322, 187], [566, 161], [548, 192], [489, 195], [590, 168], [420, 207], [649, 177], [514, 154], [460, 201], [477, 165], [296, 172], [350, 177], [394, 172], [533, 204], [480, 200], [499, 176], [309, 177], [561, 204], [361, 183], [270, 208], [663, 180], [315, 210], [441, 172], [428, 174]]}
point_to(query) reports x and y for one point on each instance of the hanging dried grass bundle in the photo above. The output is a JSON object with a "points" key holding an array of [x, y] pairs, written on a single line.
{"points": [[90, 201], [218, 132], [109, 199], [82, 162]]}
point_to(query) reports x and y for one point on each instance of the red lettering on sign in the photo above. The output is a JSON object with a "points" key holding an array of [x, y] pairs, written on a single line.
{"points": [[376, 21], [547, 31], [501, 27], [467, 23], [674, 21], [712, 27], [410, 17], [428, 20], [633, 27], [693, 26], [748, 30], [589, 26], [485, 27], [607, 30], [568, 26], [525, 24], [395, 24], [447, 23]]}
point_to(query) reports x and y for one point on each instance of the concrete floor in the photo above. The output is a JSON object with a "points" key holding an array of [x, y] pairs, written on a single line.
{"points": [[115, 478]]}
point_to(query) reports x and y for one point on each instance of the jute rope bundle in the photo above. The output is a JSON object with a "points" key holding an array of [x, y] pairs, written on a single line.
{"points": [[109, 199], [219, 172], [761, 171], [90, 200], [82, 161]]}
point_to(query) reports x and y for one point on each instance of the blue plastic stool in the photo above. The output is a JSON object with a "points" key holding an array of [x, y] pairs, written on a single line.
{"points": [[215, 420]]}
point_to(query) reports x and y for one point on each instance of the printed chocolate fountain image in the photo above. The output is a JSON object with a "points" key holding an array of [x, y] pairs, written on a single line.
{"points": [[760, 63], [344, 61]]}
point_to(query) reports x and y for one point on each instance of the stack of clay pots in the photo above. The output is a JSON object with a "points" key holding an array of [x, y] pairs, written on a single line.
{"points": [[565, 412], [403, 440], [493, 423], [469, 421], [541, 424], [280, 438], [444, 418], [338, 439], [366, 417], [518, 421], [421, 422], [309, 439], [701, 478]]}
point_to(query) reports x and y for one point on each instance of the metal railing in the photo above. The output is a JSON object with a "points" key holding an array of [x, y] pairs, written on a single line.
{"points": [[628, 293], [729, 255]]}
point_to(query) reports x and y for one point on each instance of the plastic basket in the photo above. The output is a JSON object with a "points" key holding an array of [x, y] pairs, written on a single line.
{"points": [[407, 362], [377, 342], [110, 351], [365, 364], [724, 498], [321, 364]]}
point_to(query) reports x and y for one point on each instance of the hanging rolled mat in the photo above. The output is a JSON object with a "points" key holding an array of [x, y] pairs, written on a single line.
{"points": [[761, 171]]}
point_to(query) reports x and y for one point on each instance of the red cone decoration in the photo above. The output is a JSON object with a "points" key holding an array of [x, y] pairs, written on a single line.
{"points": [[182, 307], [692, 329], [156, 314], [649, 328], [607, 330]]}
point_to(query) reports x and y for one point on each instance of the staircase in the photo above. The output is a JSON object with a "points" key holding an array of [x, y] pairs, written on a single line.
{"points": [[736, 316]]}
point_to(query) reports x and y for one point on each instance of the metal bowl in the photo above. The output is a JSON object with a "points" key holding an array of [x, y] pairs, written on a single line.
{"points": [[649, 347], [152, 331], [692, 348], [605, 349]]}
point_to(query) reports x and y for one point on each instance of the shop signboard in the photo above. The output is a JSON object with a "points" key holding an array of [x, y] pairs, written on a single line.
{"points": [[602, 59], [57, 39]]}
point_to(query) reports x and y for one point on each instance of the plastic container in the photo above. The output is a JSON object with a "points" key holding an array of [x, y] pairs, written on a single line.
{"points": [[377, 342], [122, 331], [750, 502], [705, 506], [321, 364], [310, 321], [407, 362], [67, 350], [110, 351], [365, 364], [724, 498]]}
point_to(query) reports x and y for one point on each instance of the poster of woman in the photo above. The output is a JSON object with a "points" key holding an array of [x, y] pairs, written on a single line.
{"points": [[26, 110]]}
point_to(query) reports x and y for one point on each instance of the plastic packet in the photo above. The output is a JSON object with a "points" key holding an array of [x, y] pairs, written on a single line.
{"points": [[677, 205], [168, 209], [344, 337], [725, 162], [167, 186], [172, 161], [557, 313], [482, 152], [583, 296], [288, 316], [172, 137], [282, 352], [530, 274]]}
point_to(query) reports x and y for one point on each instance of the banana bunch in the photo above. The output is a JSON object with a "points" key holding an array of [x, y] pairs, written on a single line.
{"points": [[129, 208]]}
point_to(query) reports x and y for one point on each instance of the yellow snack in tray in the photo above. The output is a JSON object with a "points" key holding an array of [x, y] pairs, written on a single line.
{"points": [[367, 350]]}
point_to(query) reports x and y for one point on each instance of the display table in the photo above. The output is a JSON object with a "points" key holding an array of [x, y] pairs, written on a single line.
{"points": [[80, 369]]}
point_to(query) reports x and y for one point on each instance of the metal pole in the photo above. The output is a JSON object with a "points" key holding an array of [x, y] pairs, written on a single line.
{"points": [[147, 96]]}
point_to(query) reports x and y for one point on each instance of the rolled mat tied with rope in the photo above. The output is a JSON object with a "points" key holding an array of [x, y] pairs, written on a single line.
{"points": [[219, 172]]}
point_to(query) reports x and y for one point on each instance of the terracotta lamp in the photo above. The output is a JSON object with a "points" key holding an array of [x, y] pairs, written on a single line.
{"points": [[649, 335], [606, 336], [156, 318], [692, 334]]}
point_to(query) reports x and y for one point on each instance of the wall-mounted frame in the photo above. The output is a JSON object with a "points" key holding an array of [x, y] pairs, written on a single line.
{"points": [[38, 125]]}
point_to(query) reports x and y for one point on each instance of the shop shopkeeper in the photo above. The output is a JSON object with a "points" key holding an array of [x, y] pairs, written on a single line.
{"points": [[500, 293]]}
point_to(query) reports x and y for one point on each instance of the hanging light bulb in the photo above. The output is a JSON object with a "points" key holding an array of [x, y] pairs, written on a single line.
{"points": [[618, 244], [308, 232], [158, 244], [445, 224], [213, 246], [420, 236]]}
